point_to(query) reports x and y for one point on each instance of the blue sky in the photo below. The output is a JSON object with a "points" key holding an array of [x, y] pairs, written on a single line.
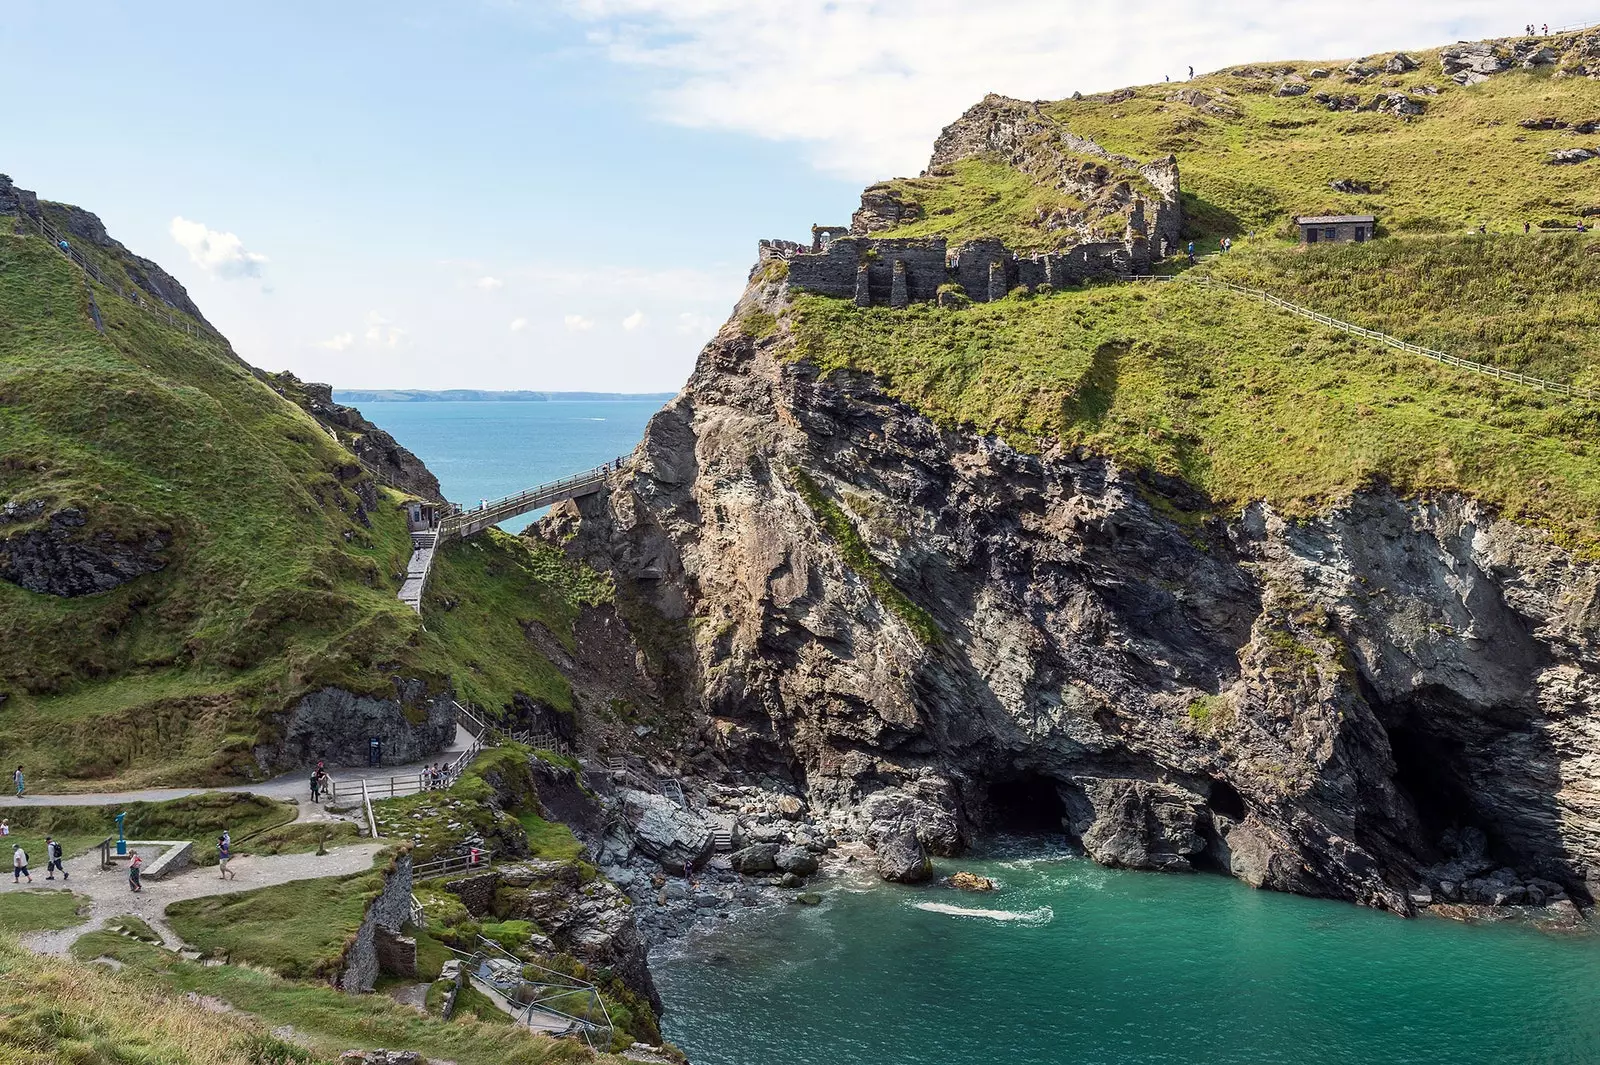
{"points": [[558, 195]]}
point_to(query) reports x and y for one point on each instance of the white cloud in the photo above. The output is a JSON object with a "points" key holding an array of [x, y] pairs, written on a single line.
{"points": [[633, 321], [383, 333], [577, 323], [868, 84], [489, 284], [518, 324], [696, 324], [222, 254], [338, 342]]}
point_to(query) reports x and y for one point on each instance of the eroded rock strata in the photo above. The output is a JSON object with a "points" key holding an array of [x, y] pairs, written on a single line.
{"points": [[1389, 702]]}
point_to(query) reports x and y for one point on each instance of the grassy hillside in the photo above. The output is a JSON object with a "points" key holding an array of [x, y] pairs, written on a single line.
{"points": [[1246, 402], [277, 580], [1242, 401], [52, 1010], [1465, 161]]}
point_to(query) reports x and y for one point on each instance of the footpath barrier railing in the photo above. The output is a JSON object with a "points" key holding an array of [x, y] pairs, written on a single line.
{"points": [[452, 864], [544, 995], [372, 821], [1499, 373], [84, 263]]}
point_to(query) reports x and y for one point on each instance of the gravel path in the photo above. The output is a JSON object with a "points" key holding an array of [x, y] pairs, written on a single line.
{"points": [[107, 889], [289, 786]]}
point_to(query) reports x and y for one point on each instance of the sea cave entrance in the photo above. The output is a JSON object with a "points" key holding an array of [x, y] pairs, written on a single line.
{"points": [[1026, 805]]}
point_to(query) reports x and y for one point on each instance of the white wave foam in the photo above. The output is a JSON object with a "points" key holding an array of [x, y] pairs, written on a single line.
{"points": [[1033, 918]]}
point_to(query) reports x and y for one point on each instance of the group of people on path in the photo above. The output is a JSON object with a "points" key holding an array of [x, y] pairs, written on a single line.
{"points": [[1530, 28], [52, 857], [19, 855]]}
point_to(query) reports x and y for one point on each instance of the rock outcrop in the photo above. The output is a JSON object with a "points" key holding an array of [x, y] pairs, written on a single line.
{"points": [[60, 555], [378, 450], [1319, 705], [338, 726]]}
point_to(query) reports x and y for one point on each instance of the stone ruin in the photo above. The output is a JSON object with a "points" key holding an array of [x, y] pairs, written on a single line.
{"points": [[895, 272], [1111, 192]]}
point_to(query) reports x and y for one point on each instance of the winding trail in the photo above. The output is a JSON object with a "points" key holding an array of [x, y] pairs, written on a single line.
{"points": [[109, 897]]}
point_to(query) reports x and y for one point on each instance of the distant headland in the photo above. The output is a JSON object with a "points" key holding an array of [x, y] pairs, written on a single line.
{"points": [[478, 395]]}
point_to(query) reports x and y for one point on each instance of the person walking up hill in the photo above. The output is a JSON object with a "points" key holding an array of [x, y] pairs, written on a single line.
{"points": [[52, 860], [224, 855], [19, 865]]}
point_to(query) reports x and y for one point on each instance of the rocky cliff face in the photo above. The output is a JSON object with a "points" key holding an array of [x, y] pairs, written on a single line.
{"points": [[378, 451], [934, 635]]}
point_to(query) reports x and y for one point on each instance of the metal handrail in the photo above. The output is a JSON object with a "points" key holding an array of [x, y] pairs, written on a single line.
{"points": [[450, 863], [1487, 369], [372, 820], [54, 238], [497, 510], [566, 982]]}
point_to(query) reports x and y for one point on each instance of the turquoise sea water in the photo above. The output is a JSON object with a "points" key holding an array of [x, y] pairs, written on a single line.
{"points": [[491, 449], [1079, 964]]}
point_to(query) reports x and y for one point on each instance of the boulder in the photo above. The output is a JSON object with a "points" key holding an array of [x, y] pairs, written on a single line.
{"points": [[971, 882], [1291, 88], [1543, 57], [1568, 156], [1400, 63], [789, 807], [796, 860], [902, 860], [808, 898], [663, 830], [754, 859], [1318, 72]]}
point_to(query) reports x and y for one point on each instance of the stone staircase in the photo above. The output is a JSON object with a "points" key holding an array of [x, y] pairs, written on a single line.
{"points": [[423, 545]]}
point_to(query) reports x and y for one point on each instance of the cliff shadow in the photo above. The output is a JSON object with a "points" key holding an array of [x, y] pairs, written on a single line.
{"points": [[1096, 392]]}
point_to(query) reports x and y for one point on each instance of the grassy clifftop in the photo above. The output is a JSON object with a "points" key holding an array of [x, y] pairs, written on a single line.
{"points": [[1250, 158]]}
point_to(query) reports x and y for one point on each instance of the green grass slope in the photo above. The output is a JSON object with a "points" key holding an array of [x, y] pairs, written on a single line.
{"points": [[1242, 401], [277, 580]]}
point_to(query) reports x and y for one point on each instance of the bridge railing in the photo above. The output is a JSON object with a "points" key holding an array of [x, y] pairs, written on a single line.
{"points": [[497, 510]]}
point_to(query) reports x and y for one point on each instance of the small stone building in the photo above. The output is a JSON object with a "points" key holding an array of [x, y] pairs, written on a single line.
{"points": [[1336, 228]]}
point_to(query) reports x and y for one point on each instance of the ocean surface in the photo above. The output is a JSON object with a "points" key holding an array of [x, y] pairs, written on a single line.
{"points": [[488, 449], [1071, 963]]}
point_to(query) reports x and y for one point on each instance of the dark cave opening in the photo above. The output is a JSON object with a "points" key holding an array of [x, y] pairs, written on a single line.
{"points": [[1426, 771], [1027, 805], [1225, 799]]}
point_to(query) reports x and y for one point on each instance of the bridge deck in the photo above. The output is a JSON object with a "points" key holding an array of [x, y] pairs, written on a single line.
{"points": [[465, 523]]}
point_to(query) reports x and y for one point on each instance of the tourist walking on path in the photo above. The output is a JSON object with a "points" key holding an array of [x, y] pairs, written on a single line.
{"points": [[1190, 251], [52, 860], [224, 855], [16, 778], [135, 864], [316, 784], [19, 865]]}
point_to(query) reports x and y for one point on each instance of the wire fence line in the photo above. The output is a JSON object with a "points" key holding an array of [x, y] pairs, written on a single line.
{"points": [[84, 263], [1499, 373]]}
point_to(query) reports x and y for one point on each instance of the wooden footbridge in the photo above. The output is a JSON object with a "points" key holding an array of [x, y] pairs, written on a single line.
{"points": [[458, 523]]}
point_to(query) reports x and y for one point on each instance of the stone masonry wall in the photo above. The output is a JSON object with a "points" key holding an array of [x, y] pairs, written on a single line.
{"points": [[925, 263], [379, 933]]}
